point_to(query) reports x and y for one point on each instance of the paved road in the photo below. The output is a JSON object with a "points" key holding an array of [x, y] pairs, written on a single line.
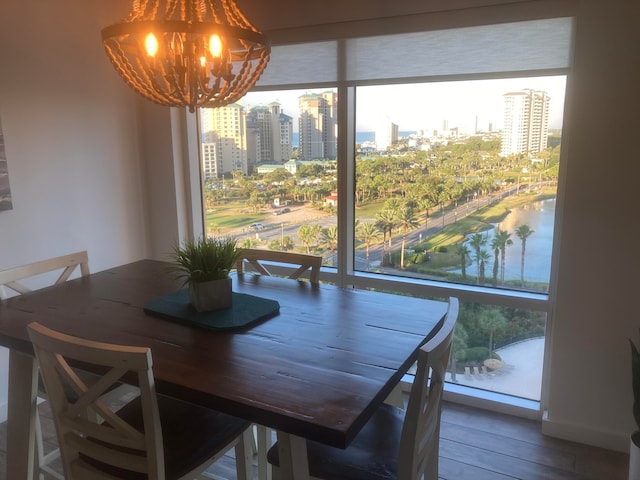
{"points": [[287, 224]]}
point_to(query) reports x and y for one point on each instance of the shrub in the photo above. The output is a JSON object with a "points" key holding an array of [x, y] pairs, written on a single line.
{"points": [[418, 258], [476, 354]]}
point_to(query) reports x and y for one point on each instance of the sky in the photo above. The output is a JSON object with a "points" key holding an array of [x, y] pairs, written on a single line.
{"points": [[427, 106]]}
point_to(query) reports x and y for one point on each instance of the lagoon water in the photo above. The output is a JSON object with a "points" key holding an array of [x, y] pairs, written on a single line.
{"points": [[537, 264]]}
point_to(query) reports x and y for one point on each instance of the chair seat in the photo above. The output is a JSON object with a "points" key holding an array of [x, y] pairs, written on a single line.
{"points": [[189, 433], [373, 454]]}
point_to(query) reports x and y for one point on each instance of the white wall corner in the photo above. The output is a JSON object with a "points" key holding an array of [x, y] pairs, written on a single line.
{"points": [[584, 434]]}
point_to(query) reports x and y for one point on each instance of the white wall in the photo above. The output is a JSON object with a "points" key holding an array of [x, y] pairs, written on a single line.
{"points": [[71, 138], [596, 310]]}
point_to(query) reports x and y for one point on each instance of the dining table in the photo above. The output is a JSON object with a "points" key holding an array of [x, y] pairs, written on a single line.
{"points": [[316, 368]]}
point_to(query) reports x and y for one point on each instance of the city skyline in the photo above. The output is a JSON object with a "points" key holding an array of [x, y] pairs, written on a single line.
{"points": [[465, 104], [261, 129]]}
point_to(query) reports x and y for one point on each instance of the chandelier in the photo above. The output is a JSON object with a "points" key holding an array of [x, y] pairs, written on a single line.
{"points": [[193, 53]]}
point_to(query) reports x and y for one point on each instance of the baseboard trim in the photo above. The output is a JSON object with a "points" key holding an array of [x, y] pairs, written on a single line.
{"points": [[581, 434]]}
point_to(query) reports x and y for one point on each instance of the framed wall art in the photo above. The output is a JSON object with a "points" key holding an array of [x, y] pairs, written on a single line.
{"points": [[5, 189]]}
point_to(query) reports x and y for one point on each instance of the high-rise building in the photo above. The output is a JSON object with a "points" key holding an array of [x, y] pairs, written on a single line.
{"points": [[526, 122], [285, 136], [318, 125], [224, 140], [386, 134], [272, 134]]}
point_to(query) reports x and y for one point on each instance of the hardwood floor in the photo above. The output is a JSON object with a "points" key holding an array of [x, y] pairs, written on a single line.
{"points": [[480, 445], [476, 444]]}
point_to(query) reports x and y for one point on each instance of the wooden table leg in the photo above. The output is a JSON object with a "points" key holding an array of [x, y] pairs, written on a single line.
{"points": [[23, 389], [292, 451]]}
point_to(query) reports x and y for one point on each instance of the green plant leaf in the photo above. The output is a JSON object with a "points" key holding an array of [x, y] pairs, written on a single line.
{"points": [[204, 259]]}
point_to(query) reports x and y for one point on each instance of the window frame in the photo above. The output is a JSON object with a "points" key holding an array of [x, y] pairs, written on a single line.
{"points": [[344, 273]]}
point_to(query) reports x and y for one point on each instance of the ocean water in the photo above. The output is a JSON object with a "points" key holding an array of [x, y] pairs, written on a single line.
{"points": [[361, 137]]}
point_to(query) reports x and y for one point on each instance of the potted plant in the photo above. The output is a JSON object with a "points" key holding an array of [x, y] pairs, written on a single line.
{"points": [[204, 265], [634, 448]]}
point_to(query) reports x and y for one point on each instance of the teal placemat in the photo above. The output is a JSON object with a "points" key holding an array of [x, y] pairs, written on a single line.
{"points": [[245, 311]]}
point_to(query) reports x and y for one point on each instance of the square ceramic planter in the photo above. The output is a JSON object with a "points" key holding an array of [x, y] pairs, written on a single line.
{"points": [[212, 295]]}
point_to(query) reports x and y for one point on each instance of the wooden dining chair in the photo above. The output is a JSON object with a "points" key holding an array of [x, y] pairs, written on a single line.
{"points": [[13, 278], [395, 443], [255, 258], [12, 281], [150, 437]]}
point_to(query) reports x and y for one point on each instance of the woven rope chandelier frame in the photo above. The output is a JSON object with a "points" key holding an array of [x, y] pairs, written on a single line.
{"points": [[193, 53]]}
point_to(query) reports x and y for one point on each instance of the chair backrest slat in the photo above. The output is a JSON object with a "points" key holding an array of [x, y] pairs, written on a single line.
{"points": [[419, 443], [255, 257], [12, 277], [89, 430]]}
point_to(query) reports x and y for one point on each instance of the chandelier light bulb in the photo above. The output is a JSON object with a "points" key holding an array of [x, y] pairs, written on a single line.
{"points": [[215, 46], [151, 45]]}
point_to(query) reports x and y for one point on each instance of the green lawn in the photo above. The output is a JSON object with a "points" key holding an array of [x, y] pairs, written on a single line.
{"points": [[369, 210], [230, 215]]}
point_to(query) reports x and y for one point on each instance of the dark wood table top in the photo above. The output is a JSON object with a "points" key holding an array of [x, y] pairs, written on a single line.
{"points": [[318, 369]]}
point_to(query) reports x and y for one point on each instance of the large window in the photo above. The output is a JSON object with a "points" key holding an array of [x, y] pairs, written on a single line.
{"points": [[456, 181], [426, 165]]}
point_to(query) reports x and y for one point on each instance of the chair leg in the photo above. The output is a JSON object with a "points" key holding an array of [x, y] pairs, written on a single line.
{"points": [[243, 459], [396, 398], [38, 457], [431, 472], [243, 451], [42, 470], [263, 435], [275, 472], [254, 442]]}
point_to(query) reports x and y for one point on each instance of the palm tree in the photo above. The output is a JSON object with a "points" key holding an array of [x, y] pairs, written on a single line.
{"points": [[501, 240], [426, 204], [482, 258], [493, 320], [392, 204], [283, 244], [330, 239], [458, 346], [462, 251], [496, 262], [406, 220], [316, 232], [306, 235], [523, 232], [477, 241], [386, 222], [367, 232]]}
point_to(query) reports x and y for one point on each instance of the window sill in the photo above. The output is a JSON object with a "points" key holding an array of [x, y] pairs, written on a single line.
{"points": [[487, 400]]}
